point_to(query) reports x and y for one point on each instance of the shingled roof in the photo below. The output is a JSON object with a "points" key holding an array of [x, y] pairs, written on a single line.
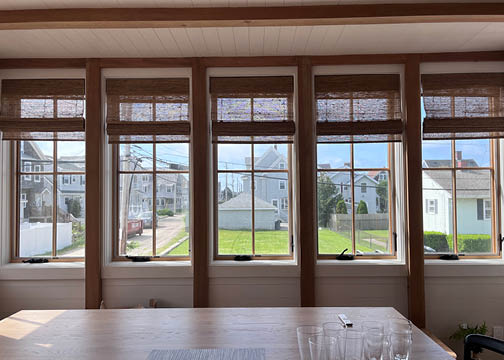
{"points": [[244, 202], [471, 184]]}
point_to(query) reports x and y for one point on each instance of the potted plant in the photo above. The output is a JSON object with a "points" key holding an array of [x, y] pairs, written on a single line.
{"points": [[465, 329]]}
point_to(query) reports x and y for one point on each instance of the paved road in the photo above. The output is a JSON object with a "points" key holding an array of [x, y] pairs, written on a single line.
{"points": [[168, 227]]}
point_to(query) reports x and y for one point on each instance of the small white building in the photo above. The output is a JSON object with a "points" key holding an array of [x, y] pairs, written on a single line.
{"points": [[236, 214]]}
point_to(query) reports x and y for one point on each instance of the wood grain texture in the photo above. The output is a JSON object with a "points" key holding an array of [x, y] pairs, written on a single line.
{"points": [[200, 186], [134, 333], [306, 183], [94, 189], [250, 16], [414, 216]]}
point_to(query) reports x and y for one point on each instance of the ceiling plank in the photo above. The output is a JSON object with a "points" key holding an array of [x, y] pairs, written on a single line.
{"points": [[250, 16]]}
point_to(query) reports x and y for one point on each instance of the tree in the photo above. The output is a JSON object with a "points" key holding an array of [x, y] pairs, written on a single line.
{"points": [[74, 207], [362, 208], [328, 197], [341, 207], [382, 191]]}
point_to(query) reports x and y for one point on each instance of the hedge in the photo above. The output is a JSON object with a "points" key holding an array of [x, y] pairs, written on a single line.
{"points": [[436, 240], [165, 212], [473, 243]]}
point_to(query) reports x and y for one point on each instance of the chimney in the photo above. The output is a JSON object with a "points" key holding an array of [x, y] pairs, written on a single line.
{"points": [[458, 158], [347, 164]]}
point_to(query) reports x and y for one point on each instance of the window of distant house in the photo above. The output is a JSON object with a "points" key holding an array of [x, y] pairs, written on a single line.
{"points": [[46, 224], [459, 167], [148, 127], [354, 163], [253, 180]]}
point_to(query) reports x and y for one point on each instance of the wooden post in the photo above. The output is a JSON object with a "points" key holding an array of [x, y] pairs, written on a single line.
{"points": [[413, 156], [200, 185], [306, 182], [94, 192]]}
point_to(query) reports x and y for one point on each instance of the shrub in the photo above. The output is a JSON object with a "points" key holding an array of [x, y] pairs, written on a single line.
{"points": [[341, 207], [362, 207], [436, 240], [474, 243], [165, 212]]}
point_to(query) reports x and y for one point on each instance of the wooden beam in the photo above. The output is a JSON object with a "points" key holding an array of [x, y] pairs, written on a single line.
{"points": [[414, 219], [463, 56], [94, 18], [94, 193], [306, 182], [200, 186], [48, 63]]}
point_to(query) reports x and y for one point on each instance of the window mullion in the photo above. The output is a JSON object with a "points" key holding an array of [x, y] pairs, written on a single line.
{"points": [[55, 199]]}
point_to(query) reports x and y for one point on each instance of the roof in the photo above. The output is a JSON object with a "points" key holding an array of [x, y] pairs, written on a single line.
{"points": [[244, 201], [471, 184], [448, 163]]}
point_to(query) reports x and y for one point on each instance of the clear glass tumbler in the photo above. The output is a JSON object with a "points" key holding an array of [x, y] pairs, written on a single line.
{"points": [[350, 344], [373, 344], [400, 344], [303, 334], [323, 347]]}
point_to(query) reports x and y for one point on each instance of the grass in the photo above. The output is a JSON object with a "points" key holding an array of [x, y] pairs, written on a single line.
{"points": [[180, 235], [234, 242]]}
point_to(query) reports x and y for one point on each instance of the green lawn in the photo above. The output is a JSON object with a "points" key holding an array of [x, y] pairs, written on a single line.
{"points": [[233, 242], [179, 236]]}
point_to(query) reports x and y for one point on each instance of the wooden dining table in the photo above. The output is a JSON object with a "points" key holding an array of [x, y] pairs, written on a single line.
{"points": [[134, 333]]}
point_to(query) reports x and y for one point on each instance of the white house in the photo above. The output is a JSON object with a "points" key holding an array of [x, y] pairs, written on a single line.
{"points": [[236, 213]]}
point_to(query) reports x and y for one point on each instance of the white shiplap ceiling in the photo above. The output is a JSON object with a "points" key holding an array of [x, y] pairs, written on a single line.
{"points": [[252, 41], [55, 4]]}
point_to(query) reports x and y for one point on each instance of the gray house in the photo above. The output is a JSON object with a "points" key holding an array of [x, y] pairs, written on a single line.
{"points": [[272, 188]]}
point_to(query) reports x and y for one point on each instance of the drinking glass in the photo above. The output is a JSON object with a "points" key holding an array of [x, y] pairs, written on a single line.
{"points": [[303, 333], [333, 328], [323, 347], [350, 344], [400, 344], [399, 324], [374, 326], [373, 345]]}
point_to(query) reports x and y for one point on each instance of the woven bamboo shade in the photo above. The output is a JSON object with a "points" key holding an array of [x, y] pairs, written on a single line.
{"points": [[42, 109], [148, 110], [463, 106], [358, 108], [252, 109]]}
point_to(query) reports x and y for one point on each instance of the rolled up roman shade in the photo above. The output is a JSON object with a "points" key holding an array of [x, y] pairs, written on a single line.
{"points": [[252, 109], [358, 108], [463, 106], [42, 109], [148, 110]]}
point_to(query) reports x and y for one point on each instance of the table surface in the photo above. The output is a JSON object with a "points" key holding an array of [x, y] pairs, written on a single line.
{"points": [[133, 333]]}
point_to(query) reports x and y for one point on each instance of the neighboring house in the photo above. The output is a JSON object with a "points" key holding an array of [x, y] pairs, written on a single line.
{"points": [[365, 189], [36, 190], [236, 214], [474, 205], [270, 187], [172, 193], [378, 175]]}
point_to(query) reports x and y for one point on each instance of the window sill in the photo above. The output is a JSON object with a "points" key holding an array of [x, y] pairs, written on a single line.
{"points": [[359, 268], [147, 270], [464, 268], [45, 271], [253, 268]]}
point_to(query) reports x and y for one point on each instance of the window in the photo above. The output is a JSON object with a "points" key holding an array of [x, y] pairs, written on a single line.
{"points": [[358, 121], [459, 162], [51, 223], [431, 206], [281, 165], [249, 180], [66, 179], [148, 127], [36, 169], [46, 225]]}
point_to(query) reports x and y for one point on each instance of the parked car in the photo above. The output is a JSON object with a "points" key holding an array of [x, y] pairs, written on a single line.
{"points": [[135, 227], [146, 218]]}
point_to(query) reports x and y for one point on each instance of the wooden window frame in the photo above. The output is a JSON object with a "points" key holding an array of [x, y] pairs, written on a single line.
{"points": [[253, 183], [16, 174], [116, 171], [494, 179], [390, 169]]}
